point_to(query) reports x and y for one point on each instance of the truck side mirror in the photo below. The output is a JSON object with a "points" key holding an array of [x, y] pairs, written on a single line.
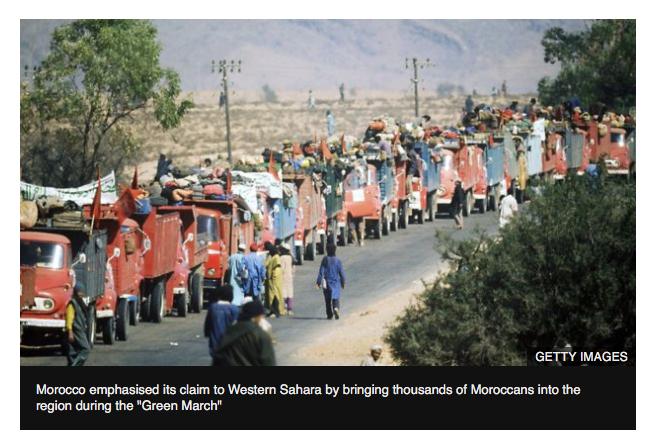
{"points": [[190, 237], [82, 258], [147, 244], [116, 252]]}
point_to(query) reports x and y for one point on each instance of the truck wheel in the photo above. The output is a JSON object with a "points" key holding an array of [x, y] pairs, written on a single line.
{"points": [[482, 205], [467, 207], [298, 251], [92, 325], [404, 217], [311, 250], [108, 330], [134, 312], [157, 307], [344, 236], [122, 320], [197, 293], [385, 227], [393, 225], [491, 204], [181, 302], [431, 209], [322, 244], [145, 308], [420, 217]]}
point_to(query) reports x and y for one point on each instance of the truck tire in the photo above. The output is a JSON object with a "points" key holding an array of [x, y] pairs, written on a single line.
{"points": [[298, 252], [145, 308], [468, 205], [181, 302], [404, 218], [197, 292], [385, 226], [157, 303], [491, 204], [393, 224], [430, 206], [311, 248], [92, 325], [322, 243], [134, 311], [343, 240], [482, 205], [419, 217], [122, 320], [108, 330]]}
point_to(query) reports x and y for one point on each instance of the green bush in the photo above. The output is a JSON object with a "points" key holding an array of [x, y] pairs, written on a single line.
{"points": [[563, 270]]}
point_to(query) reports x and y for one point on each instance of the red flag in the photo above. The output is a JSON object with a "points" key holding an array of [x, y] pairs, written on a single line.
{"points": [[272, 164], [125, 206], [343, 143], [134, 181], [228, 181], [325, 152], [96, 206]]}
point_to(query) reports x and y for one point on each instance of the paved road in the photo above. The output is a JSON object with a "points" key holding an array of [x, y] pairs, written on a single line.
{"points": [[375, 270]]}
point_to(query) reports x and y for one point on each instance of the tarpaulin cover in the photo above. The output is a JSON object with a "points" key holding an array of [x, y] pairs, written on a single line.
{"points": [[264, 182], [81, 195], [495, 164], [574, 148], [534, 159]]}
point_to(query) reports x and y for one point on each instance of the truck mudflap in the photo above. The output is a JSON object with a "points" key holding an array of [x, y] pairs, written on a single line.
{"points": [[42, 323], [415, 200]]}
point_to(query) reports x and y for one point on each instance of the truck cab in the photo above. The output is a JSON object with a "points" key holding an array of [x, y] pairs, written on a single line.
{"points": [[362, 192]]}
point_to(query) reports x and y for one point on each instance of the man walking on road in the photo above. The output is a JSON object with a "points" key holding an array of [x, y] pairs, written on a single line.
{"points": [[245, 343], [331, 279], [219, 316], [77, 327], [508, 206], [457, 204], [256, 272], [287, 271], [238, 274], [273, 284]]}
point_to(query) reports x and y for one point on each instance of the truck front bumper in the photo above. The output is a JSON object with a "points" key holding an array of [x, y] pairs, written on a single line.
{"points": [[42, 323]]}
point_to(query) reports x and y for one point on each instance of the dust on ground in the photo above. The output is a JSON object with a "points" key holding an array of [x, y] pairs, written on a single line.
{"points": [[350, 339]]}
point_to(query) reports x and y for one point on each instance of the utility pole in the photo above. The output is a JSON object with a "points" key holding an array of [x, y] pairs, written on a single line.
{"points": [[223, 67], [417, 65]]}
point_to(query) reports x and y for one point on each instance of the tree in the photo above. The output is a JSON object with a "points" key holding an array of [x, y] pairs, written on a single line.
{"points": [[269, 94], [97, 75], [564, 270], [598, 65]]}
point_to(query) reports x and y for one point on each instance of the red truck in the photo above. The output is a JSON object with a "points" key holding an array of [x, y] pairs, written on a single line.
{"points": [[362, 194], [194, 251], [164, 285], [459, 162], [309, 213], [608, 143], [51, 261], [223, 224]]}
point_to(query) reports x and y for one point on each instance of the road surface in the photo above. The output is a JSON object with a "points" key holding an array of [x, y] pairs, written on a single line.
{"points": [[374, 271]]}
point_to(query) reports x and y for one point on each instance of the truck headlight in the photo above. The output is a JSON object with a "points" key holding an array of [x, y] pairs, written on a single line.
{"points": [[211, 272], [48, 304]]}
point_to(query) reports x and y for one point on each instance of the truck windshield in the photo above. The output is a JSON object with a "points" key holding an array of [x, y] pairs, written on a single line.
{"points": [[41, 254], [208, 225], [618, 138]]}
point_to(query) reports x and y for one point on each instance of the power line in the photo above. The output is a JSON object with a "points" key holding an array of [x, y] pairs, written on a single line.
{"points": [[224, 67], [417, 65]]}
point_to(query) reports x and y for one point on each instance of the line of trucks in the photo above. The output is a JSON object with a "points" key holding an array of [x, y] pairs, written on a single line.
{"points": [[141, 262]]}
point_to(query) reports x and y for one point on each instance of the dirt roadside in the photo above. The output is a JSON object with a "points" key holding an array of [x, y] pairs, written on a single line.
{"points": [[349, 343]]}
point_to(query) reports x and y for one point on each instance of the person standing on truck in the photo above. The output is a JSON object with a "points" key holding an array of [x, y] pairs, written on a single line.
{"points": [[220, 315], [238, 274], [331, 279], [468, 104], [273, 284], [458, 203], [245, 343], [77, 327], [287, 271], [507, 208], [256, 271]]}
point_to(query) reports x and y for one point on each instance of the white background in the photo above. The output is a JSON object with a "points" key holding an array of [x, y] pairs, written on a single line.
{"points": [[13, 11]]}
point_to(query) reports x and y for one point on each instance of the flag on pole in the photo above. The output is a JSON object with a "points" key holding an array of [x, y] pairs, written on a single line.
{"points": [[325, 152], [96, 206], [134, 181]]}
